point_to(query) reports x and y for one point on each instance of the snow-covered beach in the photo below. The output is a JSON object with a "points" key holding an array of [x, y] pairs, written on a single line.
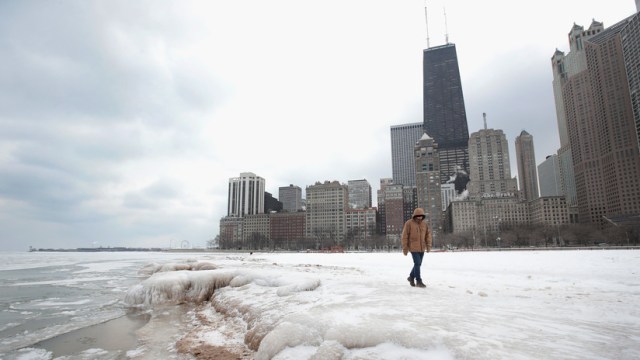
{"points": [[477, 305]]}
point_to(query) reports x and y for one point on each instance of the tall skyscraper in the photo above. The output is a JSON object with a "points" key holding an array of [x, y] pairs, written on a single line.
{"points": [[565, 67], [602, 130], [549, 177], [403, 140], [445, 118], [246, 195], [359, 194], [291, 197], [527, 172], [427, 181], [489, 164]]}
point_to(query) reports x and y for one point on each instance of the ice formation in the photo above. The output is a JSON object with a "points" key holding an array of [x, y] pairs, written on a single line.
{"points": [[190, 264], [177, 287], [358, 306]]}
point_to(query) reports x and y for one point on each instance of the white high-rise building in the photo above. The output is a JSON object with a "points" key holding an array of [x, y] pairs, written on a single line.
{"points": [[246, 195]]}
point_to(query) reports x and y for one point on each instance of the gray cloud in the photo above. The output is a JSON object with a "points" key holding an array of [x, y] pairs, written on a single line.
{"points": [[75, 59], [85, 89], [154, 196], [121, 121]]}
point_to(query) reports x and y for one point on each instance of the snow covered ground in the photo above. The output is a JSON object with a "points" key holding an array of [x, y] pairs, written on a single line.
{"points": [[477, 305]]}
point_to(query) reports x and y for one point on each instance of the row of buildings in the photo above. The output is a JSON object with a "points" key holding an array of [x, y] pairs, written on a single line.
{"points": [[331, 214], [334, 213], [463, 181]]}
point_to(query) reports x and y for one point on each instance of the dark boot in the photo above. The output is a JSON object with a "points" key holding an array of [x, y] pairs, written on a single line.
{"points": [[410, 279], [420, 284]]}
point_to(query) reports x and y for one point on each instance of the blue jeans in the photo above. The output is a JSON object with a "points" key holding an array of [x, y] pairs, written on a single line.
{"points": [[417, 262]]}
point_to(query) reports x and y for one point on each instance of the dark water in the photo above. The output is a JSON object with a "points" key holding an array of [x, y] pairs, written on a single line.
{"points": [[113, 335], [61, 304], [28, 308]]}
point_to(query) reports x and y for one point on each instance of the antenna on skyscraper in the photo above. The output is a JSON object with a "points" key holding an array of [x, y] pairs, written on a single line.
{"points": [[426, 21], [484, 116], [446, 29]]}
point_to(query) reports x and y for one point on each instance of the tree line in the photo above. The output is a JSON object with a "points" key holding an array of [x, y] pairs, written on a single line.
{"points": [[506, 236], [543, 236]]}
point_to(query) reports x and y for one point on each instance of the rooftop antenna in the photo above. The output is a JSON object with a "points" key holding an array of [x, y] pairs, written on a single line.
{"points": [[484, 116], [426, 21], [446, 29]]}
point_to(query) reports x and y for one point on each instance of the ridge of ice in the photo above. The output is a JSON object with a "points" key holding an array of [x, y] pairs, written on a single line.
{"points": [[191, 265], [177, 287]]}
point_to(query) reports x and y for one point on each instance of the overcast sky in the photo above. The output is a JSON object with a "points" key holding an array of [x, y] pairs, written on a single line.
{"points": [[121, 122]]}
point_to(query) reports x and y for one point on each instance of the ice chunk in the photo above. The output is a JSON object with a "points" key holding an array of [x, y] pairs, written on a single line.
{"points": [[178, 287]]}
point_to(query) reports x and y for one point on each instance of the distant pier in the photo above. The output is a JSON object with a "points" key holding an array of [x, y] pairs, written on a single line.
{"points": [[98, 249]]}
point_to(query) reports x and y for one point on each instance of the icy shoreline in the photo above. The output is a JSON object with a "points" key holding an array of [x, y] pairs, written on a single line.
{"points": [[349, 305], [480, 305]]}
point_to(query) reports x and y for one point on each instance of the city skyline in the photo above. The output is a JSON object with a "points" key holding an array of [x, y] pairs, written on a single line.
{"points": [[122, 124]]}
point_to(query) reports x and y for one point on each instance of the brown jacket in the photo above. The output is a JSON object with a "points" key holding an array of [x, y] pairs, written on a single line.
{"points": [[416, 236]]}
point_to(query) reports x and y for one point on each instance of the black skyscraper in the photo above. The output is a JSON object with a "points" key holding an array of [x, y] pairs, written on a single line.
{"points": [[445, 118]]}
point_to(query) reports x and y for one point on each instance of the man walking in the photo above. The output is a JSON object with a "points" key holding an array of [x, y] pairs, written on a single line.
{"points": [[416, 238]]}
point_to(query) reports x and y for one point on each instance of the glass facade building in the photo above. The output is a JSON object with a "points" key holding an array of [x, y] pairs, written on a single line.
{"points": [[445, 117]]}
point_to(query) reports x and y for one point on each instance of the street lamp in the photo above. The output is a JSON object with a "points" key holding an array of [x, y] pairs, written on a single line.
{"points": [[474, 238], [485, 233], [497, 230]]}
